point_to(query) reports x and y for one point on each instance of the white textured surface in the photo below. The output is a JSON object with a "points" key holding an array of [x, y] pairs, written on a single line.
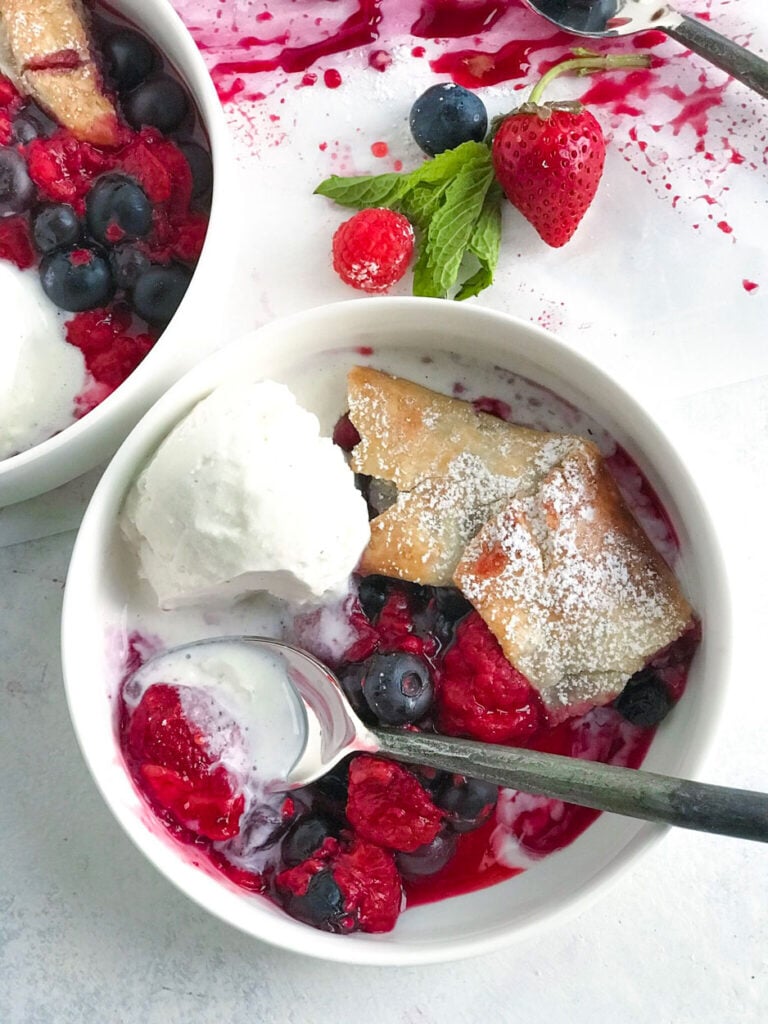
{"points": [[89, 933]]}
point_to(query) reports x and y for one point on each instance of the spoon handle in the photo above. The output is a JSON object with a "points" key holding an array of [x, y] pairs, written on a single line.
{"points": [[724, 53], [637, 794]]}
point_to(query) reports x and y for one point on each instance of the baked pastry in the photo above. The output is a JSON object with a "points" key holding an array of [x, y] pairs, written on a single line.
{"points": [[572, 588], [45, 51], [452, 467]]}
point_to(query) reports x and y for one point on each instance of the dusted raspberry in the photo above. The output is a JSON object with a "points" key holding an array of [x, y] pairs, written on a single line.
{"points": [[15, 243], [64, 169], [388, 806], [111, 353], [173, 763], [480, 694], [372, 250], [370, 882]]}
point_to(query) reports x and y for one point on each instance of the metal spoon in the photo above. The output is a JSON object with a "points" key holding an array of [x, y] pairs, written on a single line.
{"points": [[597, 18], [333, 730]]}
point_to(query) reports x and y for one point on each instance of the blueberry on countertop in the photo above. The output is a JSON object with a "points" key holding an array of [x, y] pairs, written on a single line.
{"points": [[445, 116]]}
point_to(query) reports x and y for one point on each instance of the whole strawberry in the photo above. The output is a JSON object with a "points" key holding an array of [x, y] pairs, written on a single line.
{"points": [[549, 157]]}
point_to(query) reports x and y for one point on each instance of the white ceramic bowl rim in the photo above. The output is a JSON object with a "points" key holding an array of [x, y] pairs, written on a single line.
{"points": [[516, 336]]}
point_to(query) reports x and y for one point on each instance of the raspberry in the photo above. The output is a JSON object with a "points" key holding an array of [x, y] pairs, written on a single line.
{"points": [[63, 168], [372, 250], [344, 888], [111, 353], [6, 129], [480, 694], [190, 235], [15, 243], [172, 761], [370, 882], [388, 806], [8, 93]]}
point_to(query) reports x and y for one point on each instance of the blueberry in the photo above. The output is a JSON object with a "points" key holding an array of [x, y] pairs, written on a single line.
{"points": [[160, 102], [17, 190], [129, 58], [117, 208], [55, 226], [452, 607], [445, 116], [201, 165], [372, 595], [32, 123], [645, 700], [332, 787], [322, 905], [158, 292], [351, 679], [305, 837], [128, 264], [76, 279], [468, 802], [397, 687], [428, 859]]}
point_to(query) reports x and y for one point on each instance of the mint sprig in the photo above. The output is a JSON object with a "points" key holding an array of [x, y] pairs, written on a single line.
{"points": [[455, 206]]}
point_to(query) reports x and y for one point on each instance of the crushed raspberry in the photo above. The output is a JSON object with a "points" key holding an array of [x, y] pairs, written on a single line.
{"points": [[173, 763], [388, 806], [64, 168], [15, 243], [370, 882], [367, 879], [190, 235], [493, 406], [394, 631], [111, 353], [372, 250], [6, 128], [139, 161], [480, 694], [80, 257], [345, 433], [8, 93]]}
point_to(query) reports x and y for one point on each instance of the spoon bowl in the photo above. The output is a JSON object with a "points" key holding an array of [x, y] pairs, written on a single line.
{"points": [[332, 731], [605, 18]]}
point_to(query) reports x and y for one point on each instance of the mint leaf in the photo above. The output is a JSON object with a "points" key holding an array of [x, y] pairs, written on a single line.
{"points": [[453, 201], [364, 192], [452, 225], [484, 244]]}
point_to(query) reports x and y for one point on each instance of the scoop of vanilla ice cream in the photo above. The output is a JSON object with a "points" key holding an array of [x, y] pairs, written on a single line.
{"points": [[40, 373], [245, 495]]}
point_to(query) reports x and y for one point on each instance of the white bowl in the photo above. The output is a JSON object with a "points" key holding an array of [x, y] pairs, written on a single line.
{"points": [[97, 589], [94, 438]]}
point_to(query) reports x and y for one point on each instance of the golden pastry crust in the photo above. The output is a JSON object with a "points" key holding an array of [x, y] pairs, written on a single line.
{"points": [[452, 466], [44, 48], [572, 588]]}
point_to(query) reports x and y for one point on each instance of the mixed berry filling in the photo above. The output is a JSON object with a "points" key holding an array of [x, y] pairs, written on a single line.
{"points": [[114, 230], [349, 852]]}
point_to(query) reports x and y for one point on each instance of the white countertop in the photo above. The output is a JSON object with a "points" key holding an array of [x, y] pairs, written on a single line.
{"points": [[89, 932]]}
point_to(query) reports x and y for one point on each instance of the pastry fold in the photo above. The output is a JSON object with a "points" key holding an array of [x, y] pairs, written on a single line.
{"points": [[45, 50], [529, 525]]}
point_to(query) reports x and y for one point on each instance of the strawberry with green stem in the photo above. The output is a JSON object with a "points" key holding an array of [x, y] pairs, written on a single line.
{"points": [[549, 157]]}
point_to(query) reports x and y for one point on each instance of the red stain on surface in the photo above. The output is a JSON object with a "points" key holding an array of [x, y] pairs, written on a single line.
{"points": [[380, 149], [332, 78], [749, 286], [440, 19]]}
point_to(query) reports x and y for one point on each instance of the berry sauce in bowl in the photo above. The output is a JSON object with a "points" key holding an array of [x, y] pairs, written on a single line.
{"points": [[378, 863], [104, 224]]}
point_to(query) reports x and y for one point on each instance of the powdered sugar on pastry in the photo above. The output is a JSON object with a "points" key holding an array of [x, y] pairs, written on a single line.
{"points": [[572, 588]]}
